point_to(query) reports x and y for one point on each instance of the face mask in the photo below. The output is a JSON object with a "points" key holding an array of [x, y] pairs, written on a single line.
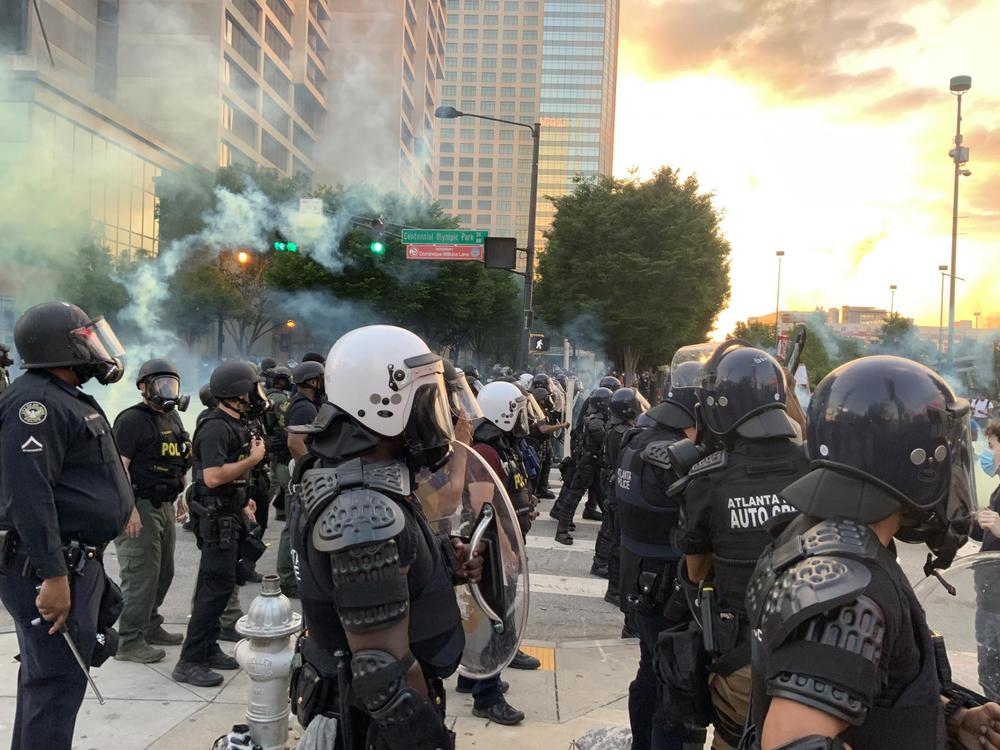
{"points": [[987, 462]]}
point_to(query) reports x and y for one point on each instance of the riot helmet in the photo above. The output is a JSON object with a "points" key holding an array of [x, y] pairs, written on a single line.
{"points": [[743, 392], [627, 403], [898, 425], [505, 405], [526, 379], [309, 370], [267, 364], [280, 378], [544, 398], [237, 385], [610, 382], [207, 399], [541, 380], [390, 383], [600, 400], [471, 371], [58, 334], [162, 385], [313, 357], [461, 399], [680, 396]]}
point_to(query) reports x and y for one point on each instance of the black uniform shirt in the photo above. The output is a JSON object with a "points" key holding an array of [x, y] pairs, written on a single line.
{"points": [[61, 477], [220, 441], [139, 427], [300, 411]]}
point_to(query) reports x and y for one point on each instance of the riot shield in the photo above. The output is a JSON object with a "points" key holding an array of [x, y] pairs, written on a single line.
{"points": [[466, 498], [969, 620]]}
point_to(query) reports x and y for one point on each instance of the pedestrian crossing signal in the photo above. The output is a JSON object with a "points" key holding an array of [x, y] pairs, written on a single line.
{"points": [[539, 343]]}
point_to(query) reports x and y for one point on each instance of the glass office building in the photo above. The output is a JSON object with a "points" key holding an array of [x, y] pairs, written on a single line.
{"points": [[579, 71]]}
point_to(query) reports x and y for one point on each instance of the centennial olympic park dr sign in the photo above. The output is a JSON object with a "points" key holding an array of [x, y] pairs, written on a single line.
{"points": [[444, 244]]}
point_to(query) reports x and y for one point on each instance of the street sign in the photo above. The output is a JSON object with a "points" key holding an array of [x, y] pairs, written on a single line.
{"points": [[312, 206], [444, 252], [443, 237]]}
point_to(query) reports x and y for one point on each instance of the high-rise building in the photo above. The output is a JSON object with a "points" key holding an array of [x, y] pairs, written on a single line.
{"points": [[379, 136], [114, 93], [527, 61]]}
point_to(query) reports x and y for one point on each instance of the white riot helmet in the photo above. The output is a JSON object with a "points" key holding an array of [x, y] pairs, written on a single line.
{"points": [[525, 379], [389, 381], [506, 406]]}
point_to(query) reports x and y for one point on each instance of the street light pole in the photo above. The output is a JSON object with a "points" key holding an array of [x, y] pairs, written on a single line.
{"points": [[960, 155], [450, 113], [777, 299], [942, 269], [892, 298]]}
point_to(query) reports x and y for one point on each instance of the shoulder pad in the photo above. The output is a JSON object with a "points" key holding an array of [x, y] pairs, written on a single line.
{"points": [[320, 485], [811, 587], [326, 415], [357, 517], [710, 463], [837, 537], [655, 453]]}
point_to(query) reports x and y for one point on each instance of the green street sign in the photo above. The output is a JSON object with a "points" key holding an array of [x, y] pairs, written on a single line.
{"points": [[443, 237]]}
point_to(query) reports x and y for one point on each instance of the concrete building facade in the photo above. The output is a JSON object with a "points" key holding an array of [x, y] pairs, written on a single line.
{"points": [[388, 57], [527, 61]]}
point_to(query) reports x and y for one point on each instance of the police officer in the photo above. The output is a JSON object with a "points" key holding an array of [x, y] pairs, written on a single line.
{"points": [[544, 389], [301, 409], [156, 451], [5, 362], [843, 656], [208, 401], [267, 365], [588, 452], [648, 519], [224, 454], [730, 497], [626, 404], [383, 623], [64, 495], [278, 393], [471, 373]]}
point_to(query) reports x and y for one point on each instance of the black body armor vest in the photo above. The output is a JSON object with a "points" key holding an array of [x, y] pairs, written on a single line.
{"points": [[157, 470]]}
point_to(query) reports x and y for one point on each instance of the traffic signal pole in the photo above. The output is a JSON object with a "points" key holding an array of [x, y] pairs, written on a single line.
{"points": [[523, 355]]}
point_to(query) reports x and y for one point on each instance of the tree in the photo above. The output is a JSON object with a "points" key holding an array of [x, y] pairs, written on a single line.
{"points": [[89, 283], [647, 260], [760, 335], [199, 294]]}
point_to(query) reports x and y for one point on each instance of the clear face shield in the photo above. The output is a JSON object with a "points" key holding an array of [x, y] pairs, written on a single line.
{"points": [[522, 424], [463, 401], [99, 343], [428, 432]]}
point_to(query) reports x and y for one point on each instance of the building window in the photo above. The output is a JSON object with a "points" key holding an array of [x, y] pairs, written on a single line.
{"points": [[250, 11], [446, 176], [465, 161], [273, 151], [465, 189], [484, 191], [278, 44], [14, 26], [276, 80], [240, 82], [304, 142], [242, 42], [282, 12], [484, 205], [276, 116], [238, 122]]}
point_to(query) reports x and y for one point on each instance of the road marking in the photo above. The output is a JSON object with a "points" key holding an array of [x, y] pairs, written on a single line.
{"points": [[579, 545], [546, 655], [591, 587]]}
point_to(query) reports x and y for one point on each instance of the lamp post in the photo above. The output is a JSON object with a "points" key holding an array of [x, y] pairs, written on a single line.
{"points": [[976, 316], [959, 155], [892, 298], [943, 270], [779, 254], [450, 113]]}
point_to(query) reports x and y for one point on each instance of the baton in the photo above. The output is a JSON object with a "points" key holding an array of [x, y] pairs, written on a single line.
{"points": [[76, 655]]}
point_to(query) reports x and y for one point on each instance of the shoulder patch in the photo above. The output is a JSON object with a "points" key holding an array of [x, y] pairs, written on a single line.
{"points": [[32, 413], [710, 463]]}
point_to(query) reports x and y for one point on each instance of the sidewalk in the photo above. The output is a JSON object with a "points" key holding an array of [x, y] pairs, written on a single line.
{"points": [[582, 687]]}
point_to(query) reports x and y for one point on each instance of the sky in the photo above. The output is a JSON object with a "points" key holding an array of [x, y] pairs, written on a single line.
{"points": [[823, 128]]}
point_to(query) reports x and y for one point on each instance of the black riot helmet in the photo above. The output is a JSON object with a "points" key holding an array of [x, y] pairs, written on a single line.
{"points": [[308, 371], [610, 382], [58, 334], [743, 392], [471, 372], [625, 404], [544, 398], [238, 385], [680, 396], [207, 399], [280, 378], [600, 399], [267, 364], [899, 426], [162, 385], [541, 380]]}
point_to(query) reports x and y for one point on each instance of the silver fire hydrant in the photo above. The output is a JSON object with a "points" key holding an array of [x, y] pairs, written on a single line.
{"points": [[266, 655]]}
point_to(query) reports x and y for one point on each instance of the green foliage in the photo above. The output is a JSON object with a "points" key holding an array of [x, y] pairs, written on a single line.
{"points": [[759, 334], [199, 294], [89, 283], [646, 260]]}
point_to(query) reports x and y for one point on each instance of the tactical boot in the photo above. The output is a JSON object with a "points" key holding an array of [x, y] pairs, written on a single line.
{"points": [[219, 660], [196, 674], [554, 511], [547, 494], [230, 635], [522, 660], [142, 653], [611, 596], [563, 536], [599, 569], [592, 514], [500, 713], [161, 637]]}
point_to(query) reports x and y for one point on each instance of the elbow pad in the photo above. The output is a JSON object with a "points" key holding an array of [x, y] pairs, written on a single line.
{"points": [[814, 742]]}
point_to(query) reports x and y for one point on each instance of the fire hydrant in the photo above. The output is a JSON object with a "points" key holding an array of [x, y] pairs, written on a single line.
{"points": [[266, 655]]}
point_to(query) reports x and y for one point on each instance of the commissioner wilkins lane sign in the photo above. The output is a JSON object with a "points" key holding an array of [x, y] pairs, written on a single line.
{"points": [[443, 244]]}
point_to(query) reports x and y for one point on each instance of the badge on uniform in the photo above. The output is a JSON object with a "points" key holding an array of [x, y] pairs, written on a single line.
{"points": [[33, 413]]}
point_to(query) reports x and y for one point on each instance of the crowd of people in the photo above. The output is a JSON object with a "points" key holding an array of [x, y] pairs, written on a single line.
{"points": [[748, 545]]}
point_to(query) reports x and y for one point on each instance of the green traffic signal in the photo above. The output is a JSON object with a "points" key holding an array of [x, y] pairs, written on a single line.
{"points": [[376, 247], [285, 247]]}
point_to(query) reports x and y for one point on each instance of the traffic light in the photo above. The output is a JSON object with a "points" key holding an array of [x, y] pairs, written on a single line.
{"points": [[377, 246], [282, 245]]}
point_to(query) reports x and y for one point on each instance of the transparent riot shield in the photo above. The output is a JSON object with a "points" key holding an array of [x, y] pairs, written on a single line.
{"points": [[969, 620], [466, 498]]}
